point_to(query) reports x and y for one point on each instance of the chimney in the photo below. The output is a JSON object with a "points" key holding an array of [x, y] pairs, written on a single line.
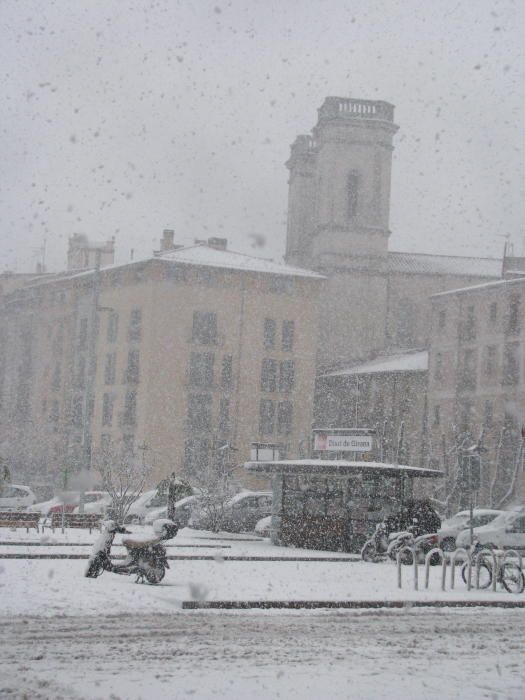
{"points": [[218, 243], [166, 242]]}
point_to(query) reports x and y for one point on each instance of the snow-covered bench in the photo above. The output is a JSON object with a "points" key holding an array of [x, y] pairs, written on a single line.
{"points": [[80, 520], [14, 519]]}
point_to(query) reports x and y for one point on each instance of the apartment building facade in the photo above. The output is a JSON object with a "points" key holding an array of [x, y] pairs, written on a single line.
{"points": [[185, 358], [476, 383]]}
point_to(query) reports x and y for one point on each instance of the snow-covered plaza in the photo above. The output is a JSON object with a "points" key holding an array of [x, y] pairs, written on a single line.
{"points": [[71, 637]]}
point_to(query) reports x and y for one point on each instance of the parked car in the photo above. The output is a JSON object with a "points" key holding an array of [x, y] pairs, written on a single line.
{"points": [[183, 510], [263, 527], [16, 497], [95, 502], [66, 501], [506, 531], [144, 505], [451, 527], [239, 514]]}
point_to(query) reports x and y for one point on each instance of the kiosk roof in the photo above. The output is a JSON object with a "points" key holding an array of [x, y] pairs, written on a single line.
{"points": [[337, 466]]}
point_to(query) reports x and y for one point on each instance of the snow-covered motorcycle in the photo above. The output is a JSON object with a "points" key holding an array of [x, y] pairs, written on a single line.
{"points": [[146, 557], [375, 549], [420, 544]]}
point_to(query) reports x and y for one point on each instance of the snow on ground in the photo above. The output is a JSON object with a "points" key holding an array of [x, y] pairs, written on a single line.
{"points": [[399, 655], [66, 636]]}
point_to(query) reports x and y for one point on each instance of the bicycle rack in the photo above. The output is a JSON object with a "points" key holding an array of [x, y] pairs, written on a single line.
{"points": [[494, 569], [453, 562], [412, 550], [444, 562], [514, 553]]}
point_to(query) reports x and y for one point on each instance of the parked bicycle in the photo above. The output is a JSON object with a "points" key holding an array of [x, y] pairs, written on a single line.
{"points": [[508, 573]]}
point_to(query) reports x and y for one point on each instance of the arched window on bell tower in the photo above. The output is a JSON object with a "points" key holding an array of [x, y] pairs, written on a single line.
{"points": [[352, 194]]}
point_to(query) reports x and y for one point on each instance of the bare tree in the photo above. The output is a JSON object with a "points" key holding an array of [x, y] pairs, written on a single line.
{"points": [[123, 477], [216, 483]]}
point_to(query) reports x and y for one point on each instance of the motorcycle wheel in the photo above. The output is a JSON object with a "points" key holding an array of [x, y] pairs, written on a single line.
{"points": [[512, 578], [485, 575], [94, 568], [154, 575], [369, 553], [407, 558]]}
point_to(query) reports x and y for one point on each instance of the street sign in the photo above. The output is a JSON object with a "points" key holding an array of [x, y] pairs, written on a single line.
{"points": [[325, 442], [470, 473]]}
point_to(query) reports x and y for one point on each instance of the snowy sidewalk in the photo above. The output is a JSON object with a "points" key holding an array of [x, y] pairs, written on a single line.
{"points": [[236, 572]]}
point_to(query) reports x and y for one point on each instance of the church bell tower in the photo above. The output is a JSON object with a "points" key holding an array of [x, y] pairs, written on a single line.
{"points": [[338, 220]]}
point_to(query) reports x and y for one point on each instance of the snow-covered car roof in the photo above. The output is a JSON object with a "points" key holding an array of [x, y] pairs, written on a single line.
{"points": [[187, 499], [244, 494], [476, 511]]}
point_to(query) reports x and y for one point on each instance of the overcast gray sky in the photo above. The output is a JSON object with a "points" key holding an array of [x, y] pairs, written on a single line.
{"points": [[124, 118]]}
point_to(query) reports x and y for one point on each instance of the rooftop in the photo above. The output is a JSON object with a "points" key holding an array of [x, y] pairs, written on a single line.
{"points": [[416, 361], [423, 263], [201, 255], [208, 256], [479, 287]]}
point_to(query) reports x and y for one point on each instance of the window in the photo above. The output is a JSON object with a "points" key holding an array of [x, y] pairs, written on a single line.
{"points": [[284, 418], [83, 333], [105, 441], [406, 322], [490, 360], [288, 335], [511, 364], [130, 408], [201, 369], [80, 379], [58, 340], [438, 367], [57, 377], [266, 417], [466, 416], [470, 324], [199, 411], [269, 375], [517, 525], [128, 445], [78, 410], [196, 453], [224, 416], [488, 414], [280, 284], [110, 370], [437, 416], [133, 369], [204, 327], [112, 327], [54, 414], [442, 319], [493, 312], [135, 325], [270, 326], [108, 401], [227, 372], [513, 320], [468, 375], [286, 376], [352, 188]]}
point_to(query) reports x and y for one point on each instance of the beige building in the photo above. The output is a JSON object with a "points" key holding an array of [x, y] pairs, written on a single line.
{"points": [[477, 383], [189, 356]]}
